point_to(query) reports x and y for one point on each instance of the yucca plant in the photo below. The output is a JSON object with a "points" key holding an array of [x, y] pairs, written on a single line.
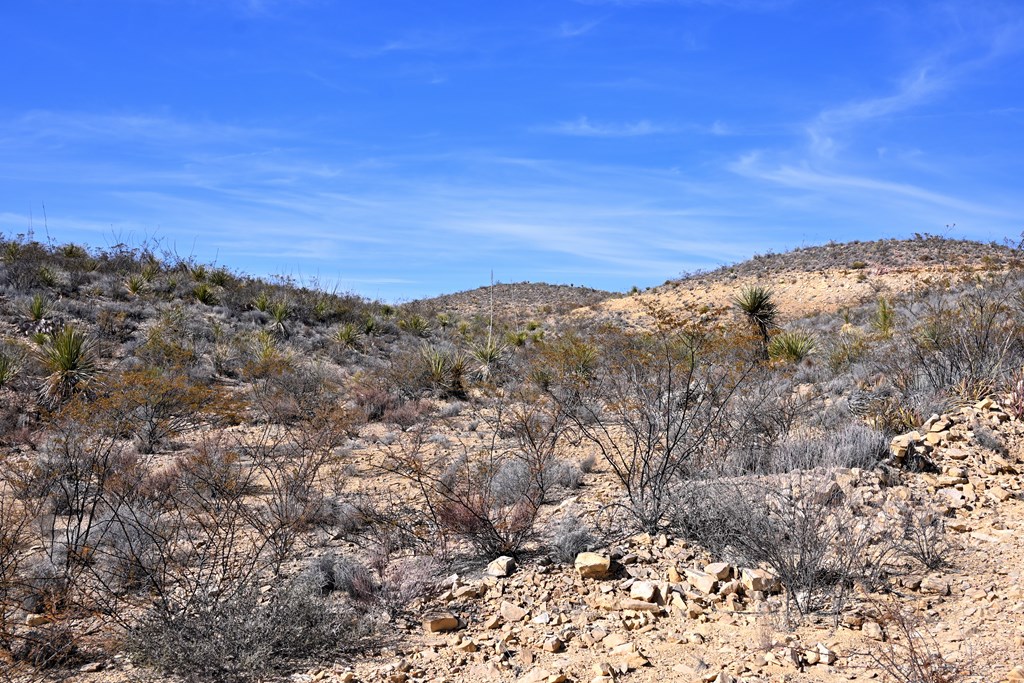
{"points": [[793, 346], [488, 355], [135, 283], [70, 359], [757, 303], [415, 324], [220, 277], [150, 270], [279, 314], [370, 326], [48, 277], [205, 294], [261, 302], [883, 320], [200, 273], [347, 336], [10, 365], [446, 368], [444, 321], [321, 307], [38, 308], [517, 338]]}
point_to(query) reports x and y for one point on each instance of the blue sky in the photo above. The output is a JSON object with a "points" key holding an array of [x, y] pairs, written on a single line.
{"points": [[403, 149]]}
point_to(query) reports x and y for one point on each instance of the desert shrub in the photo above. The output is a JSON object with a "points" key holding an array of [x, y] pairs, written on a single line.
{"points": [[473, 492], [908, 653], [854, 445], [800, 529], [330, 573], [246, 638], [986, 438], [406, 414], [49, 647], [374, 401], [570, 538], [655, 408], [154, 405], [923, 535]]}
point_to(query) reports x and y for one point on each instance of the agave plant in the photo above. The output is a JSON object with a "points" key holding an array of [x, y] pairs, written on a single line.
{"points": [[70, 358]]}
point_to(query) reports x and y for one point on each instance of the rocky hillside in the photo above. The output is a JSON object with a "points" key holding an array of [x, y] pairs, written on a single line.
{"points": [[518, 301], [824, 279]]}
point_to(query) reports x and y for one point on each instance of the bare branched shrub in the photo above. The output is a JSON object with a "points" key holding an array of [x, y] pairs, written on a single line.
{"points": [[910, 654], [658, 410], [923, 535], [802, 530], [476, 493]]}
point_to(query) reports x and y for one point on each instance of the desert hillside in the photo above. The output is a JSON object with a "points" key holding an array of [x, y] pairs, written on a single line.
{"points": [[810, 469], [517, 301], [825, 279]]}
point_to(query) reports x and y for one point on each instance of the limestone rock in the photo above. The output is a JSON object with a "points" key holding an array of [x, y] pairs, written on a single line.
{"points": [[512, 613], [501, 567], [441, 622], [593, 565]]}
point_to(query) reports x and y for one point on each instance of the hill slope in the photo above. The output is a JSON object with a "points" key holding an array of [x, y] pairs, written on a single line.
{"points": [[823, 279]]}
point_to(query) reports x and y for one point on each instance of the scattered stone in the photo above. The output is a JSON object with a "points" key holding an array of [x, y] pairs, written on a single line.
{"points": [[593, 565], [441, 622], [501, 567], [512, 613], [872, 630], [644, 591]]}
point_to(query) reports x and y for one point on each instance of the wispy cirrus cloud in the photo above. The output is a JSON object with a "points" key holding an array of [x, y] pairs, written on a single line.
{"points": [[584, 127], [573, 30]]}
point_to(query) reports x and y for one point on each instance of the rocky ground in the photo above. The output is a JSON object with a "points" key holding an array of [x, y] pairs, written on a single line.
{"points": [[658, 608]]}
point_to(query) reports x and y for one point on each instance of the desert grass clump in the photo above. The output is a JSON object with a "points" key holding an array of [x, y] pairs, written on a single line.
{"points": [[70, 359]]}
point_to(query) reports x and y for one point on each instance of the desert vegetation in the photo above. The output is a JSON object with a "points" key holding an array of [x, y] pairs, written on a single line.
{"points": [[231, 479]]}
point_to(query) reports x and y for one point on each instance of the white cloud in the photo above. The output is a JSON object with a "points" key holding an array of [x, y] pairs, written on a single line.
{"points": [[584, 127]]}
